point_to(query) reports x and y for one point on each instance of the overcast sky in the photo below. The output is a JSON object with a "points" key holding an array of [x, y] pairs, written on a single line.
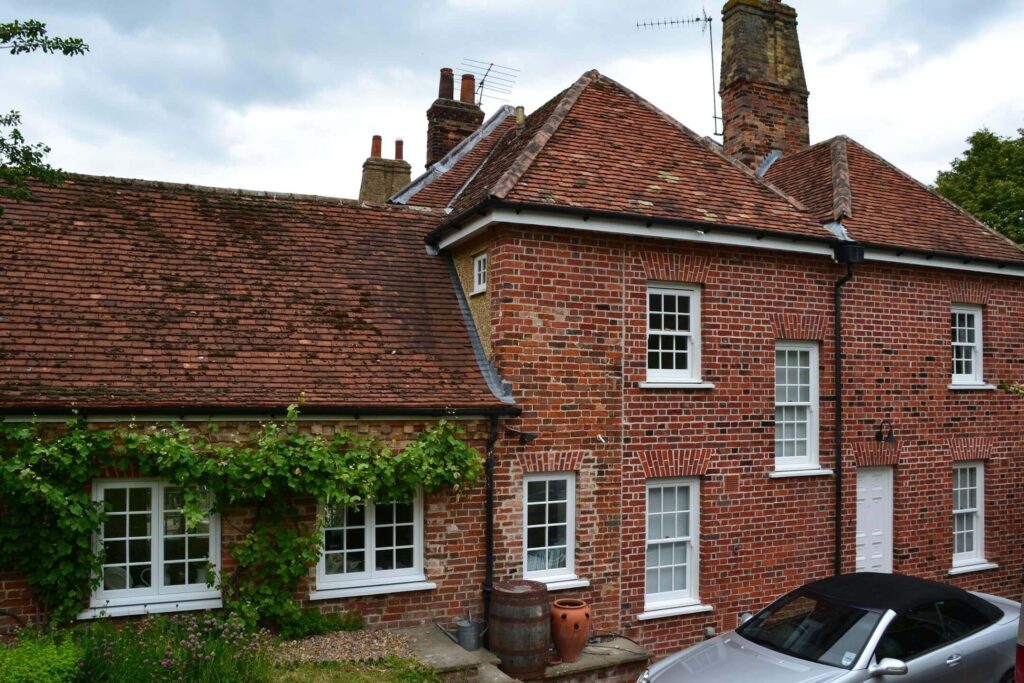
{"points": [[286, 95]]}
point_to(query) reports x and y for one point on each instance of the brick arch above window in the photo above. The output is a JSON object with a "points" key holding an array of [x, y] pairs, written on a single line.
{"points": [[667, 267], [553, 461], [971, 448], [799, 327], [970, 292], [675, 462], [877, 453]]}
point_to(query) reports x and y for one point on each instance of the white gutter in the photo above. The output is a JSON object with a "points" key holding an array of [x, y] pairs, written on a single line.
{"points": [[714, 236]]}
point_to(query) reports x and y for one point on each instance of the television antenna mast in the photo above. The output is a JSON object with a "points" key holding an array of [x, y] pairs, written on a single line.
{"points": [[492, 80], [704, 21]]}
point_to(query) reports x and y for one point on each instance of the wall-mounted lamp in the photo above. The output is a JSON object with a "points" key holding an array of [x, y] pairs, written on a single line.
{"points": [[880, 435], [524, 437]]}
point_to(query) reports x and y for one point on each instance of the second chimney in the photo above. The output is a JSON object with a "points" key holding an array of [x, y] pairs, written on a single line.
{"points": [[450, 121], [764, 92], [383, 177]]}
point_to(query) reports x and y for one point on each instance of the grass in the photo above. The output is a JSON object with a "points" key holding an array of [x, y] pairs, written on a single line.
{"points": [[387, 671]]}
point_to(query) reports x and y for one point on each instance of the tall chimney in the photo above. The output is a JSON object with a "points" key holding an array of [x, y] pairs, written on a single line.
{"points": [[383, 177], [450, 121], [764, 92]]}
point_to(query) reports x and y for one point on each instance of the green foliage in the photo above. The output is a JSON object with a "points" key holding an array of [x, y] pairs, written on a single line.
{"points": [[390, 670], [988, 181], [312, 622], [21, 161], [44, 476], [199, 648], [38, 658], [44, 488]]}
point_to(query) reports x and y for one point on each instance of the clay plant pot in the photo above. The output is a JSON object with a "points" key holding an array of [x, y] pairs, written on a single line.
{"points": [[570, 627]]}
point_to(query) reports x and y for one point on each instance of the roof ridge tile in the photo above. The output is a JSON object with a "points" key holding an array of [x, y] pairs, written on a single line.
{"points": [[842, 194], [531, 150]]}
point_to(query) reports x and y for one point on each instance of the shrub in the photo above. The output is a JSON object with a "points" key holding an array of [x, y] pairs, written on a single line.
{"points": [[194, 648], [36, 658], [311, 622]]}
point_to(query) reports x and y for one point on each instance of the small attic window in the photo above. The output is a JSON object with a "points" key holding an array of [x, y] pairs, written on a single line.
{"points": [[480, 273]]}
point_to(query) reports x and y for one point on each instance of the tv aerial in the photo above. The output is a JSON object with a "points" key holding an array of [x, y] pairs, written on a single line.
{"points": [[492, 80], [704, 21]]}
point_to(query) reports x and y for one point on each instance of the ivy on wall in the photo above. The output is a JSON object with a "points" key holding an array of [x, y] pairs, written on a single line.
{"points": [[48, 518]]}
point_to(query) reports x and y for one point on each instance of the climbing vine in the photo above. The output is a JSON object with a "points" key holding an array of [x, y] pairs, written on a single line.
{"points": [[49, 518]]}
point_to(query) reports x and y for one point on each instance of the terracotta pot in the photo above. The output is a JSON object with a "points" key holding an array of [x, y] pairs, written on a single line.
{"points": [[570, 627]]}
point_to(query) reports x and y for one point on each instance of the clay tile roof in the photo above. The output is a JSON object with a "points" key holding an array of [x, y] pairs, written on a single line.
{"points": [[599, 146], [883, 206], [129, 295], [444, 179]]}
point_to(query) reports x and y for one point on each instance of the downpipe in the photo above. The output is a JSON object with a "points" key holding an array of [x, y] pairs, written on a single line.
{"points": [[849, 254]]}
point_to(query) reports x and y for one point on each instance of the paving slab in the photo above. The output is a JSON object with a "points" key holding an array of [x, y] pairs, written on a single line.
{"points": [[603, 654], [438, 651]]}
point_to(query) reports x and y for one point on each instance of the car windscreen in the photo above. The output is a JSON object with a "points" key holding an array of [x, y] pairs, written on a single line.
{"points": [[813, 628]]}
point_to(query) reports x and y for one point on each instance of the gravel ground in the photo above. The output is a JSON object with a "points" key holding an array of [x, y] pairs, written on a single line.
{"points": [[346, 646]]}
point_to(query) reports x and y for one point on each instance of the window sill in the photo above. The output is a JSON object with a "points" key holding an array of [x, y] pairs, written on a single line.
{"points": [[161, 607], [477, 292], [972, 387], [563, 583], [676, 385], [810, 472], [695, 608], [379, 589], [973, 567]]}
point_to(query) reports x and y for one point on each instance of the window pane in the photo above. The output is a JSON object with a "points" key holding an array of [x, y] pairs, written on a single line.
{"points": [[384, 537], [385, 514], [403, 558], [115, 552], [175, 574], [536, 538], [535, 514], [403, 513], [139, 525], [385, 560], [140, 499], [115, 578], [174, 548], [556, 558], [535, 491], [403, 534], [334, 540], [556, 513], [535, 560], [557, 489], [139, 576], [197, 572], [115, 526], [116, 499]]}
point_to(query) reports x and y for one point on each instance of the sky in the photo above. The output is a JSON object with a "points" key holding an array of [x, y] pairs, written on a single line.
{"points": [[285, 96]]}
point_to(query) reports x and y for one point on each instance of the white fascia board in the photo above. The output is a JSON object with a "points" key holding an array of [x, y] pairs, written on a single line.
{"points": [[716, 236], [632, 228]]}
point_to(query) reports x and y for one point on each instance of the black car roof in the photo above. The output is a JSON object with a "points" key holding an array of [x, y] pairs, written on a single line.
{"points": [[893, 591]]}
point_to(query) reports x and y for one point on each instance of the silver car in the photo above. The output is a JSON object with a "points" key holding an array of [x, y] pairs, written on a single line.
{"points": [[859, 627]]}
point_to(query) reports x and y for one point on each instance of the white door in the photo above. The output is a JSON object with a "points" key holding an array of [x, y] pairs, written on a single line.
{"points": [[874, 519]]}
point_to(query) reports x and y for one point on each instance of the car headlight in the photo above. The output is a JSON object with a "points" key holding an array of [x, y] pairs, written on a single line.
{"points": [[645, 677]]}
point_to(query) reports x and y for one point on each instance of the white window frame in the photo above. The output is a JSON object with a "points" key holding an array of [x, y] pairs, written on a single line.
{"points": [[561, 574], [809, 461], [668, 600], [110, 600], [692, 374], [371, 577], [977, 377], [480, 273], [976, 514]]}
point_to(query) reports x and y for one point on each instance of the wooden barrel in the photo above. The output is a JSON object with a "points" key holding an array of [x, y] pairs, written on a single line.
{"points": [[519, 628]]}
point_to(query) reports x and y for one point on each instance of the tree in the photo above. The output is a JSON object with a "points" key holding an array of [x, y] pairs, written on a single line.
{"points": [[21, 161], [988, 180]]}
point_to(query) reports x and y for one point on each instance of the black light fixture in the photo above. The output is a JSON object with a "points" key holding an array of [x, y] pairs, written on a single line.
{"points": [[524, 437], [881, 436]]}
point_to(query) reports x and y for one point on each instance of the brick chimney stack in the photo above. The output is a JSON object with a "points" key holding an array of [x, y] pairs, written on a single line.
{"points": [[450, 121], [383, 177], [764, 92]]}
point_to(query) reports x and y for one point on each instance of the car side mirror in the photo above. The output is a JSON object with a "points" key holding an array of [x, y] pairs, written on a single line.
{"points": [[888, 667], [745, 617]]}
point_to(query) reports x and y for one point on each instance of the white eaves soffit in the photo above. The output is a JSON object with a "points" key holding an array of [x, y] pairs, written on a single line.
{"points": [[717, 236]]}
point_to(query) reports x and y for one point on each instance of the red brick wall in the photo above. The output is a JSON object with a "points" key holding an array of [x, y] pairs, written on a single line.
{"points": [[569, 334], [453, 536]]}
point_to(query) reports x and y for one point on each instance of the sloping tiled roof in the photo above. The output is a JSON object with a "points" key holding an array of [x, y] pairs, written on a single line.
{"points": [[883, 206], [444, 179], [133, 295], [601, 147]]}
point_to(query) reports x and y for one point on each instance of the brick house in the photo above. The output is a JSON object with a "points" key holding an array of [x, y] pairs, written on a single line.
{"points": [[645, 323]]}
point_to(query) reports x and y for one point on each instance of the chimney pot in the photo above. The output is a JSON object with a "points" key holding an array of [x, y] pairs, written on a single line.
{"points": [[520, 115], [399, 145], [375, 146], [468, 90], [446, 88]]}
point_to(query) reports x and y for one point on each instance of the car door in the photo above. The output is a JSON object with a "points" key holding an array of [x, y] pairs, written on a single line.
{"points": [[936, 643]]}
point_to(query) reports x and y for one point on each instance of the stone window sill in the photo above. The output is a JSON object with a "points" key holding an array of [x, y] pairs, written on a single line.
{"points": [[973, 567], [174, 605], [660, 613], [326, 593], [972, 387], [676, 385], [564, 583], [810, 472]]}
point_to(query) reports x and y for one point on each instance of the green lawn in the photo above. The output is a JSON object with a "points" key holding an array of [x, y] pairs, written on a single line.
{"points": [[387, 671]]}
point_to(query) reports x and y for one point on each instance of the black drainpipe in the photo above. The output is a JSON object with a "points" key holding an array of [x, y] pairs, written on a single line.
{"points": [[848, 253], [492, 439]]}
